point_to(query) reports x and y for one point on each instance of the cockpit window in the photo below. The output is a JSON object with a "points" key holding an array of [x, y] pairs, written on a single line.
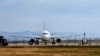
{"points": [[45, 33]]}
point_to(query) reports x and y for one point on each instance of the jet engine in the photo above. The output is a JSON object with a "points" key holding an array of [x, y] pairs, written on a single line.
{"points": [[31, 41], [58, 40]]}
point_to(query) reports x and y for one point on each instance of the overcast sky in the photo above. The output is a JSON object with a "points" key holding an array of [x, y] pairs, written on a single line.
{"points": [[59, 15]]}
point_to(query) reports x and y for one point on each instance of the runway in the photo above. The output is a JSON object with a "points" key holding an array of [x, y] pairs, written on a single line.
{"points": [[57, 44]]}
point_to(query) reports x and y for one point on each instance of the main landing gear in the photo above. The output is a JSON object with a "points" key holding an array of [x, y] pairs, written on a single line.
{"points": [[53, 41], [45, 41], [34, 41]]}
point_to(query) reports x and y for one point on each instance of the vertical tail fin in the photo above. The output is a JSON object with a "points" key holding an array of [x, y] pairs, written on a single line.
{"points": [[84, 34], [44, 28]]}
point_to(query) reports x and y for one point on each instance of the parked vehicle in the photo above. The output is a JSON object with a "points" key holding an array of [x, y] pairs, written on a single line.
{"points": [[3, 42]]}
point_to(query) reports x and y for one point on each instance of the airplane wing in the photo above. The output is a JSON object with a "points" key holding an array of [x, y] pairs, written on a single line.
{"points": [[54, 34], [25, 37], [36, 34], [65, 36], [21, 36]]}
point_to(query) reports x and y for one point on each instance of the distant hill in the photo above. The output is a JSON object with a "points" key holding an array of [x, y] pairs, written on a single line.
{"points": [[8, 35]]}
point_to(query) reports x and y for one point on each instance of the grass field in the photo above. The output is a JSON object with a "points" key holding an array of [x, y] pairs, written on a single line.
{"points": [[50, 51]]}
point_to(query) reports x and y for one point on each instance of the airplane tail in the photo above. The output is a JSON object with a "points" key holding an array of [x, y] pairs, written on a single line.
{"points": [[44, 27]]}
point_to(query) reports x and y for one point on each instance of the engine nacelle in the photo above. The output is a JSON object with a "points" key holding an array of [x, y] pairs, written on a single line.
{"points": [[31, 41], [58, 40]]}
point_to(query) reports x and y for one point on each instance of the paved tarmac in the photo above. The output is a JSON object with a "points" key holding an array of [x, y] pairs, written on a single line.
{"points": [[57, 44]]}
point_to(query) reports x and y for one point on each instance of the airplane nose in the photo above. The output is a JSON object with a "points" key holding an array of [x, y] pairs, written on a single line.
{"points": [[44, 36]]}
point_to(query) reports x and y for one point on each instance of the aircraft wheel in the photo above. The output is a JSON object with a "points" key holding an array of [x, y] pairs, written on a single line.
{"points": [[37, 42], [53, 43], [45, 42], [30, 43]]}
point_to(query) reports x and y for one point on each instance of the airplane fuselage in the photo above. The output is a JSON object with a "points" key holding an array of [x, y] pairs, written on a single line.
{"points": [[45, 36]]}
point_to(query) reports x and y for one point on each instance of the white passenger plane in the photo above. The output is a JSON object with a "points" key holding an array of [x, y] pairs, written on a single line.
{"points": [[44, 36]]}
